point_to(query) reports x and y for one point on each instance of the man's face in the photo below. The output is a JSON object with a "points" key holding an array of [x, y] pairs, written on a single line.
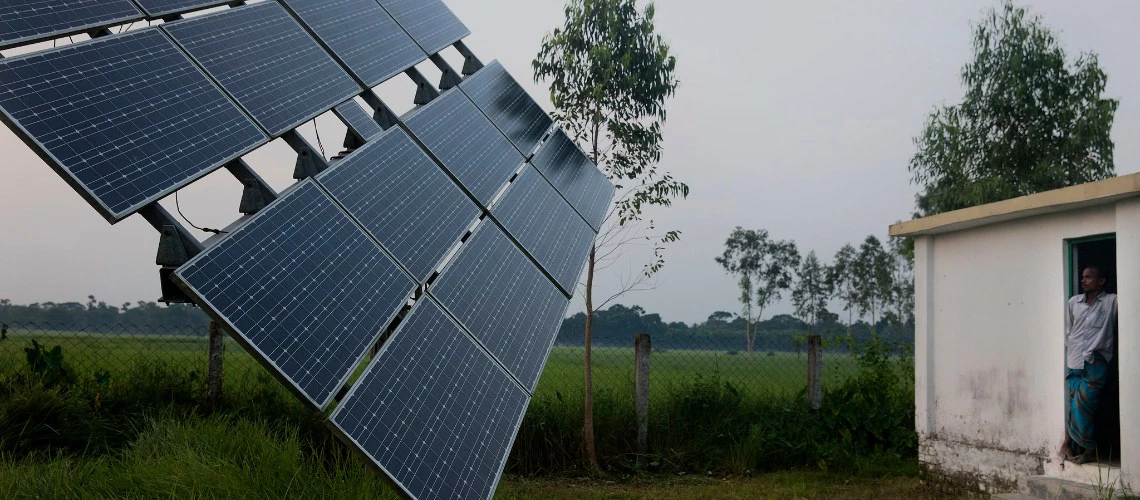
{"points": [[1091, 282]]}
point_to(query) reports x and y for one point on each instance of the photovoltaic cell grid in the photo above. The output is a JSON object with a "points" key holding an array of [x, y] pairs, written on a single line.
{"points": [[576, 177], [430, 23], [302, 285], [157, 8], [356, 118], [267, 62], [125, 119], [400, 196], [25, 21], [546, 226], [434, 411], [508, 106], [467, 144], [504, 301], [362, 35]]}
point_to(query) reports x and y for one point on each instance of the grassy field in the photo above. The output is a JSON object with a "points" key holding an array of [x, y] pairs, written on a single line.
{"points": [[219, 457], [762, 375]]}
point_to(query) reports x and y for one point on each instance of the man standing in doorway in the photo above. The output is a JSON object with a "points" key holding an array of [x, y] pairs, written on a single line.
{"points": [[1090, 331]]}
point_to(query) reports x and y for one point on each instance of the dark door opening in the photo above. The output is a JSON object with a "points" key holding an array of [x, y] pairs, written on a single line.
{"points": [[1101, 251]]}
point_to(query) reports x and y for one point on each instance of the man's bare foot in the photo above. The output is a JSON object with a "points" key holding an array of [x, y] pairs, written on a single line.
{"points": [[1089, 456]]}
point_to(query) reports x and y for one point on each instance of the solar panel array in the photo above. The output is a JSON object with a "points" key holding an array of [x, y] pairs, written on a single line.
{"points": [[546, 226], [386, 185], [159, 8], [434, 411], [362, 35], [508, 106], [125, 119], [318, 278], [267, 62], [25, 21], [429, 22], [506, 303], [356, 118], [304, 287], [467, 144], [576, 177]]}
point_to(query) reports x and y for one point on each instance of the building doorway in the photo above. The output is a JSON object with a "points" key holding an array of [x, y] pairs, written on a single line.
{"points": [[1100, 250]]}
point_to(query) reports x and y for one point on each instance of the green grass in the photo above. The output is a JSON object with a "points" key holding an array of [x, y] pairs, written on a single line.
{"points": [[719, 411], [780, 374], [180, 456], [762, 375]]}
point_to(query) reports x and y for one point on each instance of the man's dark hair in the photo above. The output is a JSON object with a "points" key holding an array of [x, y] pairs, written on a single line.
{"points": [[1099, 270]]}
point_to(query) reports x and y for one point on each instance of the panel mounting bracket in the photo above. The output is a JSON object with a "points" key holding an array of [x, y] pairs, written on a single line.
{"points": [[471, 64]]}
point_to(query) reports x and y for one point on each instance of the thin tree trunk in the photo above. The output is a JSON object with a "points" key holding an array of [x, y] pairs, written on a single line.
{"points": [[588, 418]]}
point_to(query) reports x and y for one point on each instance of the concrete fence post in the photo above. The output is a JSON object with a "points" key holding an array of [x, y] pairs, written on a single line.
{"points": [[641, 350], [214, 370], [815, 371]]}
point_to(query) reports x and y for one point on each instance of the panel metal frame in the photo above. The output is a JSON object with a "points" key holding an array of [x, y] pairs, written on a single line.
{"points": [[78, 186], [331, 422], [451, 263], [336, 57], [255, 351], [86, 28], [289, 14], [209, 4]]}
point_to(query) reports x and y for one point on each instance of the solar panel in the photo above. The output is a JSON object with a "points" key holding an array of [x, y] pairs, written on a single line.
{"points": [[159, 8], [504, 301], [27, 21], [430, 23], [576, 177], [401, 197], [267, 62], [508, 106], [466, 143], [546, 226], [362, 35], [303, 288], [434, 411], [356, 118], [124, 119]]}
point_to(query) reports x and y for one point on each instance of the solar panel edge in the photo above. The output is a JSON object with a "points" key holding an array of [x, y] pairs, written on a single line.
{"points": [[555, 130], [531, 257], [466, 30], [177, 10], [549, 348], [483, 347], [56, 164], [371, 237], [428, 299], [261, 356], [202, 67], [404, 119], [529, 388], [528, 155], [28, 40], [375, 142], [339, 60]]}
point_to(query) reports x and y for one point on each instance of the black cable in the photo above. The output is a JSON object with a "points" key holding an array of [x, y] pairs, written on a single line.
{"points": [[205, 229], [318, 131]]}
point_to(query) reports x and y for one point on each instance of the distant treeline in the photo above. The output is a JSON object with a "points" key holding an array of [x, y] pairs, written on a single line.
{"points": [[613, 327], [97, 315], [616, 327]]}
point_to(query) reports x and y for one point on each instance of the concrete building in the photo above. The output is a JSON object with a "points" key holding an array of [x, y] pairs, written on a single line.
{"points": [[990, 288]]}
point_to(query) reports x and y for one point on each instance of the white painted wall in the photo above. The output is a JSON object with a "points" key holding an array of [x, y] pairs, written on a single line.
{"points": [[990, 340]]}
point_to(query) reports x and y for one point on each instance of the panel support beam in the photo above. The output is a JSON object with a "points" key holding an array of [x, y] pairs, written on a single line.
{"points": [[471, 64], [450, 78]]}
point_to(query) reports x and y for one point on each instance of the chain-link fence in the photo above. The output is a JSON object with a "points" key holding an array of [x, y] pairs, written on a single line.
{"points": [[115, 350], [118, 352]]}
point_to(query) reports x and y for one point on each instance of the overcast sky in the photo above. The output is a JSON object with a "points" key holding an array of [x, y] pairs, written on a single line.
{"points": [[795, 117]]}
